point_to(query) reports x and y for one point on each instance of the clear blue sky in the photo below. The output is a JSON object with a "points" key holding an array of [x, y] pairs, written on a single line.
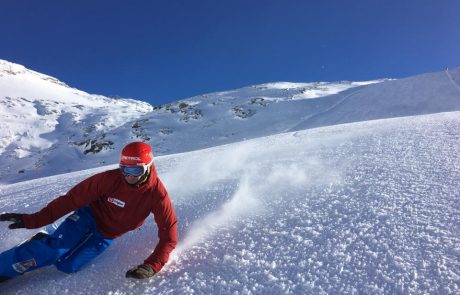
{"points": [[160, 51]]}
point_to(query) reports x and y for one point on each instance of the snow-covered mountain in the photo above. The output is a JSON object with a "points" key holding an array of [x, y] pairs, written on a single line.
{"points": [[50, 128], [44, 121]]}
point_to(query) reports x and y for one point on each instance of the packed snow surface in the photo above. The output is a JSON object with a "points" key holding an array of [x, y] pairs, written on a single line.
{"points": [[360, 208]]}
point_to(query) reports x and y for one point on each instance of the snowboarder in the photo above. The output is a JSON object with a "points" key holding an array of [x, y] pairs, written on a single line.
{"points": [[105, 206]]}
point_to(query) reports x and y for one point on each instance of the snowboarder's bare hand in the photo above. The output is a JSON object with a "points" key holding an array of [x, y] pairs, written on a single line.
{"points": [[142, 271], [15, 218]]}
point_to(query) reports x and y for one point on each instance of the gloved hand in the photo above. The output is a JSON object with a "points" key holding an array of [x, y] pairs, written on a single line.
{"points": [[18, 221], [142, 271]]}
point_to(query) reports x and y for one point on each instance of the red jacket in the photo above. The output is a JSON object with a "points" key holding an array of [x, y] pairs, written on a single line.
{"points": [[118, 208]]}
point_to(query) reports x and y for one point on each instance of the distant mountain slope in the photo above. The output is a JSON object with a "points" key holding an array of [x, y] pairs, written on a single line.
{"points": [[45, 120], [51, 128], [418, 95]]}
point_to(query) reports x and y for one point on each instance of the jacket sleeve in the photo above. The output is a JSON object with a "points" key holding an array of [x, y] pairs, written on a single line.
{"points": [[166, 221], [79, 196]]}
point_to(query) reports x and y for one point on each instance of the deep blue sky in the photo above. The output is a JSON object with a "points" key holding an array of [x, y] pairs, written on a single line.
{"points": [[160, 51]]}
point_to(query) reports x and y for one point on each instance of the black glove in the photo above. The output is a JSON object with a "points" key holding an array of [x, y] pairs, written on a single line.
{"points": [[142, 271], [15, 218]]}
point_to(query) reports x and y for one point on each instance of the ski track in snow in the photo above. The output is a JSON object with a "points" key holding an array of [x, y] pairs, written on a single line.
{"points": [[362, 208], [304, 121], [452, 80]]}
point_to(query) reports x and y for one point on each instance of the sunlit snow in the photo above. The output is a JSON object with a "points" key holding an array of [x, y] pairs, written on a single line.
{"points": [[357, 208]]}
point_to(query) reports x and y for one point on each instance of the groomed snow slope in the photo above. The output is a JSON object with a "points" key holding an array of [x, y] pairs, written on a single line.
{"points": [[361, 208]]}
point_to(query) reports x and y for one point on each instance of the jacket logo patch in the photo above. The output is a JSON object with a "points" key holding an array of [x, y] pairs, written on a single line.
{"points": [[23, 266], [116, 202]]}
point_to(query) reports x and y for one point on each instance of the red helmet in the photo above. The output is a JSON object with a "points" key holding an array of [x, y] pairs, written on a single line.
{"points": [[136, 154]]}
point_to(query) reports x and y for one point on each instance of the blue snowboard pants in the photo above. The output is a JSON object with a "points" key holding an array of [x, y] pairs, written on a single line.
{"points": [[74, 243]]}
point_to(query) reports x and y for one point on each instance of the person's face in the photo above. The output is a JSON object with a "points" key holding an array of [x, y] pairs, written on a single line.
{"points": [[132, 179]]}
